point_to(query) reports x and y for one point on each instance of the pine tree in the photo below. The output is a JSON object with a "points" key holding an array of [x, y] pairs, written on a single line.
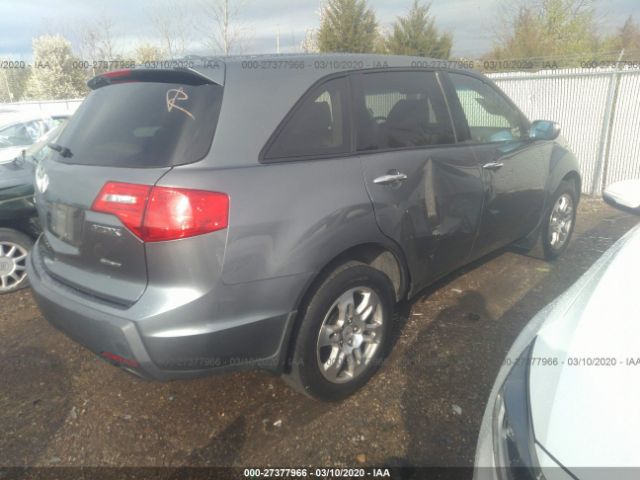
{"points": [[347, 26], [416, 34]]}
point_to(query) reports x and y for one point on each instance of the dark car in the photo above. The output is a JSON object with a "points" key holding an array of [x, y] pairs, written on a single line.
{"points": [[17, 227], [231, 214], [18, 217]]}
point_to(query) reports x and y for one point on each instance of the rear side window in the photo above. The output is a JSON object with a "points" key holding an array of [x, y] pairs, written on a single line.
{"points": [[489, 116], [400, 110], [318, 126], [143, 124]]}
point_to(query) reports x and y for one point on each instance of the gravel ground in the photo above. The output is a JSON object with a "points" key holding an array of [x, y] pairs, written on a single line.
{"points": [[60, 405]]}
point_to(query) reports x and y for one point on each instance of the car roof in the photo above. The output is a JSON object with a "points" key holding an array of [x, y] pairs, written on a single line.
{"points": [[391, 60], [322, 64]]}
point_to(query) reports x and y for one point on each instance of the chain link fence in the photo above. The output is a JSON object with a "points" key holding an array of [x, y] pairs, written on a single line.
{"points": [[598, 110]]}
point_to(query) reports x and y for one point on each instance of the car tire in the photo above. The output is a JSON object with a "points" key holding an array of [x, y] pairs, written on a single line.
{"points": [[350, 311], [560, 220], [14, 247]]}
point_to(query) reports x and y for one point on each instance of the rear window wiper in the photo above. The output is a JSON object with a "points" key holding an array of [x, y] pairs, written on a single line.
{"points": [[64, 151]]}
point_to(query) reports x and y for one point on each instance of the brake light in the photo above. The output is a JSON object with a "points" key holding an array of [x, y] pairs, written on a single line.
{"points": [[162, 213], [126, 72]]}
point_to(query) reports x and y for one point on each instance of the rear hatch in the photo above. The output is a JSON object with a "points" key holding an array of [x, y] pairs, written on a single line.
{"points": [[132, 128]]}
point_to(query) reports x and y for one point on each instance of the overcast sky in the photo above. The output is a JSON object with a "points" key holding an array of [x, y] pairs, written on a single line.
{"points": [[470, 21]]}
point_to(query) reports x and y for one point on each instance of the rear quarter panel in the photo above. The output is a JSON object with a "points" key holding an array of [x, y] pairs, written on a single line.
{"points": [[288, 218]]}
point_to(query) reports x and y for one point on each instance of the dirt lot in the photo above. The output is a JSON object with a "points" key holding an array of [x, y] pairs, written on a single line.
{"points": [[59, 405]]}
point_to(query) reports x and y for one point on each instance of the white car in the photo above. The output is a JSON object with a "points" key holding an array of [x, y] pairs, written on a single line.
{"points": [[20, 130], [566, 403]]}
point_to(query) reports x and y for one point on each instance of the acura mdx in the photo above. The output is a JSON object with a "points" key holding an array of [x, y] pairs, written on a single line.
{"points": [[271, 211]]}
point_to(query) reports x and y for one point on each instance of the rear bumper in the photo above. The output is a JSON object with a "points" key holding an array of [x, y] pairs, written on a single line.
{"points": [[251, 341]]}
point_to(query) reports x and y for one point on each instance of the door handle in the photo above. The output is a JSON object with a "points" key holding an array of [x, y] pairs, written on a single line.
{"points": [[389, 178], [493, 165]]}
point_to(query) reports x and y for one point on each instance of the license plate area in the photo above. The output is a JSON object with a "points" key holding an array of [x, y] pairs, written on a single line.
{"points": [[65, 222]]}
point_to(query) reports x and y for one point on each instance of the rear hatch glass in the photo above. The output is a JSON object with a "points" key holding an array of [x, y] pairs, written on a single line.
{"points": [[143, 125]]}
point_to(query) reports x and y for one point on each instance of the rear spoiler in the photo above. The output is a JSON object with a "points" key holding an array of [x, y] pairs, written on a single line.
{"points": [[185, 76]]}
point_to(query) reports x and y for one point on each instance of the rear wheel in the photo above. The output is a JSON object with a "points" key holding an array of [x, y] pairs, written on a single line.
{"points": [[344, 332], [14, 247], [560, 221]]}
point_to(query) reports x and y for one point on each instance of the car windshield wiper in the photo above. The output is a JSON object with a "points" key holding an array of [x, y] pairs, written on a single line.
{"points": [[64, 151]]}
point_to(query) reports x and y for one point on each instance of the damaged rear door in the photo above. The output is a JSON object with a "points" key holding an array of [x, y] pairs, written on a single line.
{"points": [[426, 190]]}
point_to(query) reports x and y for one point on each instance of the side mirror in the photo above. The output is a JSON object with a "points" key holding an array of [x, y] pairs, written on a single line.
{"points": [[544, 130], [624, 195], [20, 159]]}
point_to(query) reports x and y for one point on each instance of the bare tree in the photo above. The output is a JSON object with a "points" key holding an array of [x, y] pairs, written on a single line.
{"points": [[173, 24], [97, 39], [6, 95], [309, 43], [221, 26], [96, 42]]}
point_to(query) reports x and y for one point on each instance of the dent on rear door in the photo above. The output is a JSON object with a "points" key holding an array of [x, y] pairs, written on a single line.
{"points": [[434, 214]]}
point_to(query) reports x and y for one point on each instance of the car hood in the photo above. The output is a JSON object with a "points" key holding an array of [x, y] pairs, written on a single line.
{"points": [[585, 408]]}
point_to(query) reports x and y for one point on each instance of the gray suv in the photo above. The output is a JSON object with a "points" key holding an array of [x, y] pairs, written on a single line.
{"points": [[271, 211]]}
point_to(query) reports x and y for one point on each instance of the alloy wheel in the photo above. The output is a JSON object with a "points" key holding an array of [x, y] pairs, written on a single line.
{"points": [[350, 335], [13, 265], [561, 221]]}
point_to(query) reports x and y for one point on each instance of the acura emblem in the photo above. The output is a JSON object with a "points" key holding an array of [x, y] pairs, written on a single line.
{"points": [[42, 179]]}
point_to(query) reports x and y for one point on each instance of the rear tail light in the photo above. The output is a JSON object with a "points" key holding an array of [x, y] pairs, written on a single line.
{"points": [[126, 201], [162, 213], [176, 213], [113, 357]]}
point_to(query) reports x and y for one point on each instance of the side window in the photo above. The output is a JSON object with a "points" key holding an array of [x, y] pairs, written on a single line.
{"points": [[489, 116], [35, 129], [10, 131], [399, 110], [318, 126], [20, 134]]}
